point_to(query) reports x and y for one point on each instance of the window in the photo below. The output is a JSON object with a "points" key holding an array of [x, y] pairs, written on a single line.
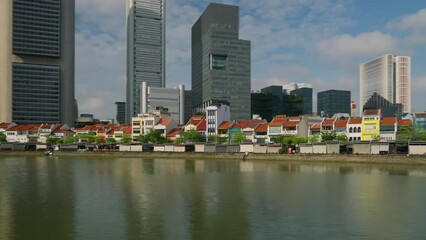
{"points": [[218, 62]]}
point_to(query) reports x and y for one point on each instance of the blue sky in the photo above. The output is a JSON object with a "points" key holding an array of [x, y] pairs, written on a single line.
{"points": [[322, 42]]}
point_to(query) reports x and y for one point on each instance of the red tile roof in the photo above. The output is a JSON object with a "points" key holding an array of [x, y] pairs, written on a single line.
{"points": [[341, 123], [254, 123], [263, 127], [29, 127], [291, 123], [279, 120], [202, 126], [294, 118], [46, 126], [405, 122], [128, 130], [420, 114], [226, 125], [241, 124], [174, 132], [355, 121], [315, 127], [4, 124], [62, 131], [371, 112], [387, 121], [328, 122], [195, 120], [165, 121]]}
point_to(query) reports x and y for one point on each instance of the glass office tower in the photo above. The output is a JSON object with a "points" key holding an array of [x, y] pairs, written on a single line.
{"points": [[145, 49], [221, 61], [37, 61]]}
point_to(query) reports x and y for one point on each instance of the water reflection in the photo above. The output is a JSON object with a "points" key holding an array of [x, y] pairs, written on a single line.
{"points": [[133, 198]]}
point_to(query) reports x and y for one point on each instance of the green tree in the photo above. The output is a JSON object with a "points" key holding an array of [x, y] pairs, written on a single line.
{"points": [[313, 138], [411, 133], [153, 136], [191, 136], [99, 139], [239, 137], [2, 137], [51, 140], [342, 138], [70, 139], [110, 140], [376, 137], [328, 135], [126, 138]]}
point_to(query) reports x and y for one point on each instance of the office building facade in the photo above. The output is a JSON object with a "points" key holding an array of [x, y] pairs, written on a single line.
{"points": [[220, 60], [145, 56], [37, 61], [331, 102], [120, 116], [390, 77], [170, 99]]}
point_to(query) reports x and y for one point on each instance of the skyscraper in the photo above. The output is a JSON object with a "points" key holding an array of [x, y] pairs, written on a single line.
{"points": [[120, 117], [390, 77], [334, 101], [304, 90], [220, 60], [37, 61], [145, 49]]}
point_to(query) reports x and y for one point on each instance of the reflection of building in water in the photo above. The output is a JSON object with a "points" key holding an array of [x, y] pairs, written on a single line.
{"points": [[5, 202], [45, 193]]}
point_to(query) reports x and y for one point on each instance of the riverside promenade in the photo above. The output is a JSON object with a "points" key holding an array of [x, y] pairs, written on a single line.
{"points": [[318, 158]]}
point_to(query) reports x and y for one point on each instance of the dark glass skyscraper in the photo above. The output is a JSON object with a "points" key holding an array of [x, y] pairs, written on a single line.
{"points": [[334, 101], [220, 60], [146, 41], [37, 61]]}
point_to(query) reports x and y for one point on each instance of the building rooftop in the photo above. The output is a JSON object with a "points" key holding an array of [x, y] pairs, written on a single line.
{"points": [[372, 112], [263, 127], [342, 123], [225, 125], [388, 121], [405, 122], [355, 121]]}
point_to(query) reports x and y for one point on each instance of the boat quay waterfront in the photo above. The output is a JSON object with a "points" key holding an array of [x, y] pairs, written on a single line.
{"points": [[296, 158]]}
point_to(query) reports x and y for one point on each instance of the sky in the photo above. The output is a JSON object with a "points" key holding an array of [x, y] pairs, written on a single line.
{"points": [[321, 42]]}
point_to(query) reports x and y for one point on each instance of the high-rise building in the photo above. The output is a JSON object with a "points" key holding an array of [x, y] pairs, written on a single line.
{"points": [[188, 105], [121, 112], [220, 60], [170, 99], [145, 49], [37, 61], [304, 90], [331, 102], [390, 77]]}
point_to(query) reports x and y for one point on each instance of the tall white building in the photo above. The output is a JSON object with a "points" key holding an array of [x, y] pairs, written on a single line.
{"points": [[216, 115], [390, 77], [145, 49], [173, 99]]}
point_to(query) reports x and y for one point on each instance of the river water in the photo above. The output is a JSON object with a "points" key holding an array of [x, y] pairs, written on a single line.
{"points": [[132, 198]]}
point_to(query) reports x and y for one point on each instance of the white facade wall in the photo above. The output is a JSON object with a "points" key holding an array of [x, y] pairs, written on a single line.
{"points": [[352, 135], [390, 77], [403, 82], [216, 115]]}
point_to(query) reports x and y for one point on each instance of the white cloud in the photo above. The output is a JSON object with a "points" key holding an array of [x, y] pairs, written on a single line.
{"points": [[412, 22], [413, 28], [364, 44]]}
